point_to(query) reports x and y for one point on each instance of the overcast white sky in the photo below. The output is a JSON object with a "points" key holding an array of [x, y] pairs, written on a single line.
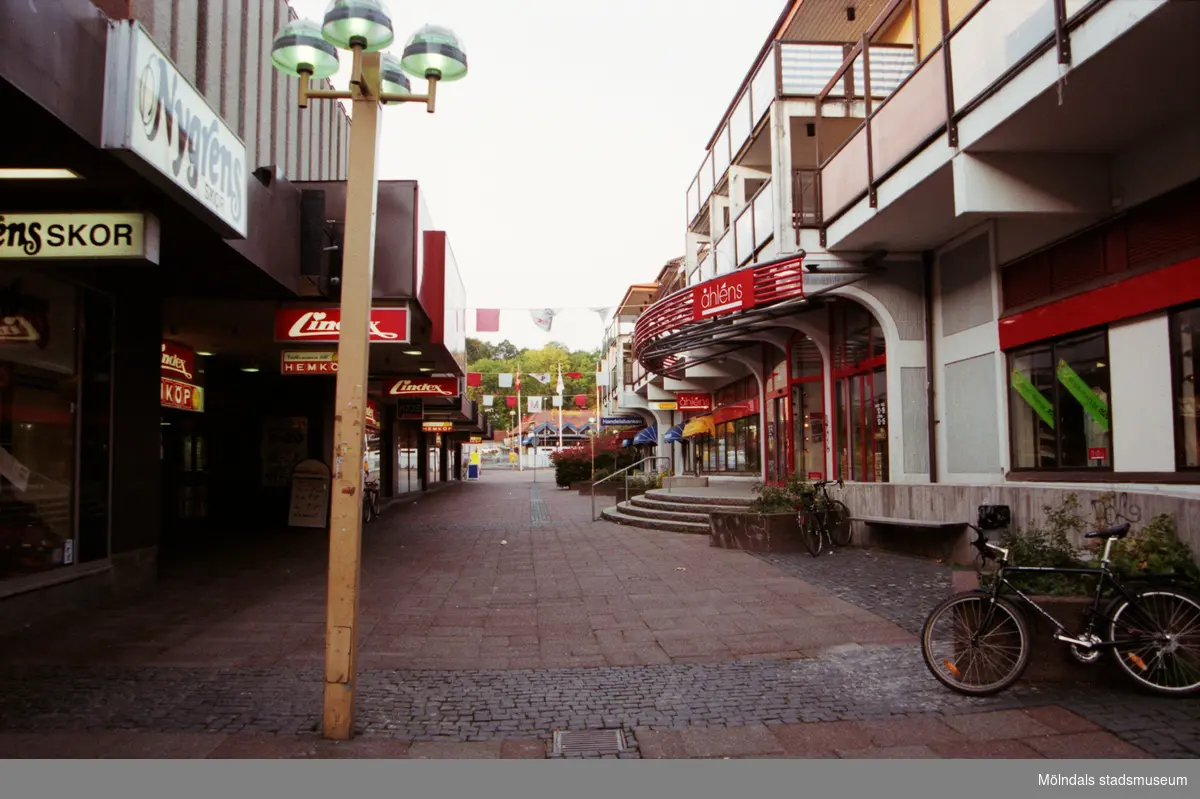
{"points": [[558, 167]]}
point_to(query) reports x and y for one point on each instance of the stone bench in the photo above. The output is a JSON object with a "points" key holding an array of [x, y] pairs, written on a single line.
{"points": [[946, 543]]}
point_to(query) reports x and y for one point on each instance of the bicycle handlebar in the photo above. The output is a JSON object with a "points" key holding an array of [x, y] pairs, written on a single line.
{"points": [[987, 550]]}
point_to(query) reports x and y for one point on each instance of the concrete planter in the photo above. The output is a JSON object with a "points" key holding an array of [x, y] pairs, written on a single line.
{"points": [[1051, 660], [755, 532]]}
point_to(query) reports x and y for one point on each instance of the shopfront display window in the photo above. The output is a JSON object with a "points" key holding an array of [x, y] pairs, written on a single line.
{"points": [[39, 395], [808, 408], [1185, 336], [1059, 404], [861, 450]]}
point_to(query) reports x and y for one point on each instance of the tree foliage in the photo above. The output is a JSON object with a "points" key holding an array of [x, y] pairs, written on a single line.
{"points": [[493, 359]]}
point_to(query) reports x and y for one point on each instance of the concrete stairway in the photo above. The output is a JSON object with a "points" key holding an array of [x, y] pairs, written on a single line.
{"points": [[675, 511]]}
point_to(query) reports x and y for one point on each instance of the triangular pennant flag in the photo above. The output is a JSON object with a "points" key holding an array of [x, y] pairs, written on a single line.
{"points": [[581, 400], [543, 318], [574, 375], [558, 401], [505, 379], [489, 400], [487, 320], [541, 377], [510, 401], [535, 404], [603, 312], [474, 378]]}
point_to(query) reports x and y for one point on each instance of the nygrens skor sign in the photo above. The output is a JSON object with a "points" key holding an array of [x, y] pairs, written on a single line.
{"points": [[154, 118]]}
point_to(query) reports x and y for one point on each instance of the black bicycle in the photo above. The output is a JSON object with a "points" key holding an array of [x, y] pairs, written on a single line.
{"points": [[823, 518], [370, 502], [977, 642]]}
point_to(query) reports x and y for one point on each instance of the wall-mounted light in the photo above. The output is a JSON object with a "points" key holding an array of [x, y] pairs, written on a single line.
{"points": [[38, 173], [411, 352], [204, 353], [250, 368]]}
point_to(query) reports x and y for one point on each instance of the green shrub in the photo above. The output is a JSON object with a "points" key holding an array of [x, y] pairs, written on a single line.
{"points": [[773, 499], [1152, 549]]}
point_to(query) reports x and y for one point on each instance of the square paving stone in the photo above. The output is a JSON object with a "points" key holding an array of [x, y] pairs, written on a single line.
{"points": [[906, 731], [455, 750], [1060, 719], [515, 749], [1085, 745], [752, 739], [249, 746], [986, 750], [914, 751], [997, 724], [364, 748], [802, 739]]}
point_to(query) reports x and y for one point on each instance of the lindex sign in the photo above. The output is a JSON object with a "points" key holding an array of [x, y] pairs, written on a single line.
{"points": [[388, 325], [734, 292], [423, 387]]}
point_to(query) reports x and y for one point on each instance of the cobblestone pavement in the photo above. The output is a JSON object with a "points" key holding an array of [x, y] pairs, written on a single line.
{"points": [[481, 638], [899, 588]]}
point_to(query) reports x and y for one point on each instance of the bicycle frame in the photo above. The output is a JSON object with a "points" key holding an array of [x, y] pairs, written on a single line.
{"points": [[1092, 613]]}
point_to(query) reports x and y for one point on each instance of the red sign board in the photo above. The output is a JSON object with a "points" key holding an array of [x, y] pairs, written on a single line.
{"points": [[693, 401], [308, 362], [1097, 453], [372, 415], [734, 292], [388, 325], [423, 387], [438, 427], [178, 362], [816, 475], [18, 330], [181, 396]]}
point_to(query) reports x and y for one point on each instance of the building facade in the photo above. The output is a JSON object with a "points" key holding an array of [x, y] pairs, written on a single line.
{"points": [[929, 252], [170, 219]]}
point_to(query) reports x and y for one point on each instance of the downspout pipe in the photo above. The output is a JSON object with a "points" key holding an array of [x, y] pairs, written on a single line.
{"points": [[930, 366]]}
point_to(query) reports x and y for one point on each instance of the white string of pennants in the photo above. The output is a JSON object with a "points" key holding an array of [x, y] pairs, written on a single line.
{"points": [[487, 320]]}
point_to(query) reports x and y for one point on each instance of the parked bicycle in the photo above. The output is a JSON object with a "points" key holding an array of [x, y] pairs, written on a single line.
{"points": [[1153, 630], [370, 500], [823, 518]]}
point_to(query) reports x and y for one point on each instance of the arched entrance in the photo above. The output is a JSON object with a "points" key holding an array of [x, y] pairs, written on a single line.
{"points": [[859, 374]]}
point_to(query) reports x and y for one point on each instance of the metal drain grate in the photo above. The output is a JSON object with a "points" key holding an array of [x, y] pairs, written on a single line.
{"points": [[594, 742]]}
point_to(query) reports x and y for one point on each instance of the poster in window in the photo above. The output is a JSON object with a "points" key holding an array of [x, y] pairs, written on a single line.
{"points": [[284, 444]]}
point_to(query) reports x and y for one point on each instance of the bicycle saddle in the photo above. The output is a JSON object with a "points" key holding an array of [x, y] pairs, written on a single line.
{"points": [[1116, 531]]}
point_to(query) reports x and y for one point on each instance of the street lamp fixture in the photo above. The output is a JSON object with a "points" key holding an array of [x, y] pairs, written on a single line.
{"points": [[309, 51]]}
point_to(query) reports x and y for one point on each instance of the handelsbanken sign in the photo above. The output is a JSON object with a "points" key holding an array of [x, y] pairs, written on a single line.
{"points": [[733, 292]]}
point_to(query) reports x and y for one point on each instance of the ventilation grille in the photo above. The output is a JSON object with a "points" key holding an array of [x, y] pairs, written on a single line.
{"points": [[589, 742]]}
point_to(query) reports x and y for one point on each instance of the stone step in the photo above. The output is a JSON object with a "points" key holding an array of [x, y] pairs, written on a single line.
{"points": [[676, 514], [662, 495], [684, 507], [614, 514]]}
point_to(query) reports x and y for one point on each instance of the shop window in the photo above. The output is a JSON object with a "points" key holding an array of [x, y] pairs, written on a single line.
{"points": [[1058, 404], [1185, 336], [860, 413], [38, 399]]}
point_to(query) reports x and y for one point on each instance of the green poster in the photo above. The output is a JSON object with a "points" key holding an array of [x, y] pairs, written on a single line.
{"points": [[1095, 407], [1030, 394]]}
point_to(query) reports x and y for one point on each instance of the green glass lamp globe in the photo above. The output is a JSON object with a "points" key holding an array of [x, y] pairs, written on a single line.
{"points": [[434, 52], [392, 76], [298, 47], [358, 22]]}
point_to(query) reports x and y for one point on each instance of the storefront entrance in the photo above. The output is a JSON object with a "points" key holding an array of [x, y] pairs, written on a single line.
{"points": [[859, 394], [808, 409]]}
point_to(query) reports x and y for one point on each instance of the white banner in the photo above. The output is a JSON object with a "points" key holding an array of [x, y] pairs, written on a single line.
{"points": [[535, 404]]}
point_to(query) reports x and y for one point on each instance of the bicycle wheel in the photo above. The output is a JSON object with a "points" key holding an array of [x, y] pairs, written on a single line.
{"points": [[975, 647], [1169, 664], [837, 522], [366, 508], [810, 532]]}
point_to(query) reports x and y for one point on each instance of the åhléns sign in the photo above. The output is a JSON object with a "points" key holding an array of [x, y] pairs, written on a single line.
{"points": [[724, 295], [154, 118]]}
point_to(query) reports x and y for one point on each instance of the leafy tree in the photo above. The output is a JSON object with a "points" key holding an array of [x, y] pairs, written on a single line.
{"points": [[492, 360]]}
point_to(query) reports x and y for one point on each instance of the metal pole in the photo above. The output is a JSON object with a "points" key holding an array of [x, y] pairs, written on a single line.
{"points": [[349, 415], [520, 448]]}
